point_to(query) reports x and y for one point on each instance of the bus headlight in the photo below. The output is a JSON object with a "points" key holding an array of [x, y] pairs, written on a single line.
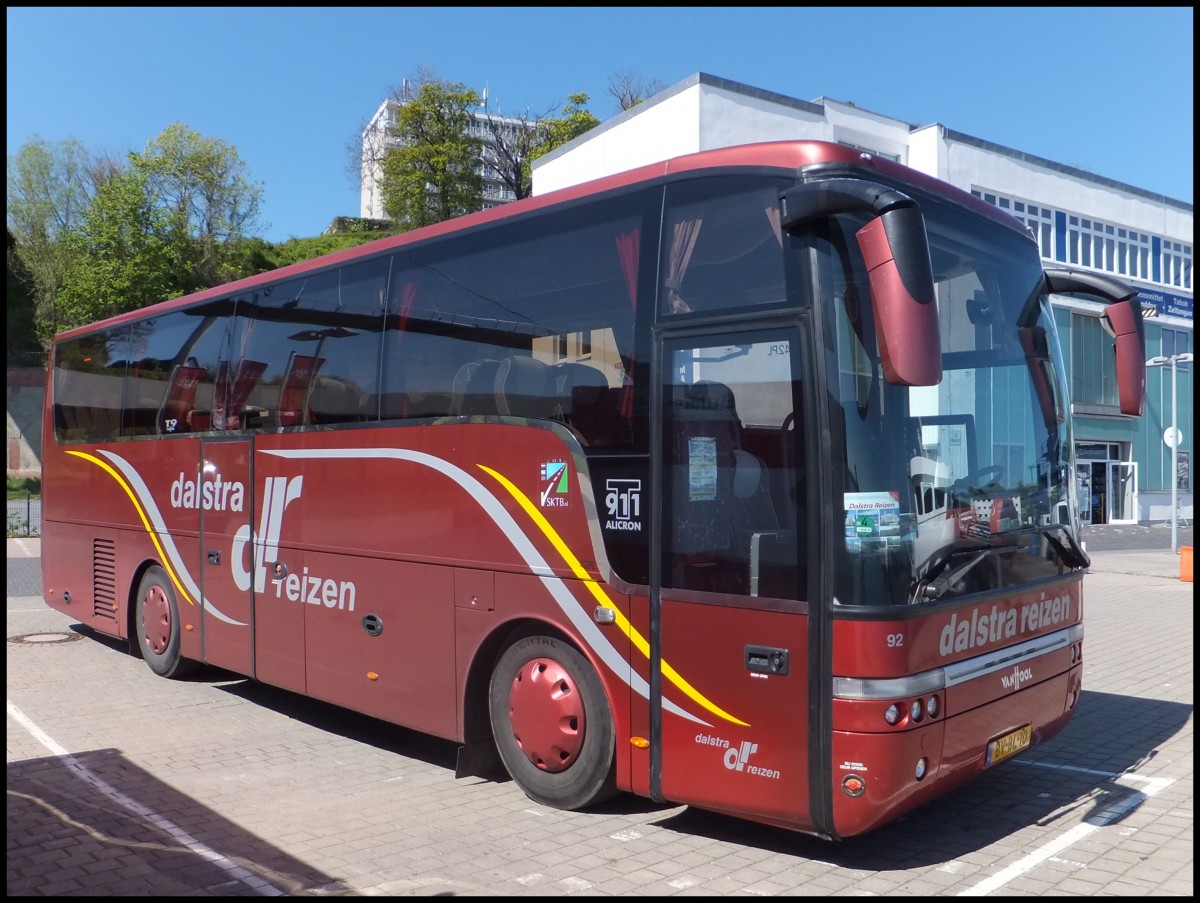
{"points": [[891, 714], [916, 711]]}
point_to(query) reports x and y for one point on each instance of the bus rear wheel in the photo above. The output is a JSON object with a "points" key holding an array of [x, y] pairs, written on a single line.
{"points": [[552, 724], [158, 625]]}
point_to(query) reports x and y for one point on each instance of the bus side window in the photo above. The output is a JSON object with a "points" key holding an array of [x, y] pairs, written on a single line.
{"points": [[524, 388], [175, 415], [474, 390], [582, 393]]}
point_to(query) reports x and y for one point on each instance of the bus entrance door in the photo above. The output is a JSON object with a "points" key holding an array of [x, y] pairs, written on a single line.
{"points": [[227, 505], [732, 633]]}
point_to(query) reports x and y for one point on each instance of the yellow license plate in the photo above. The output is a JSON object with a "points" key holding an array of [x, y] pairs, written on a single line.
{"points": [[1010, 744]]}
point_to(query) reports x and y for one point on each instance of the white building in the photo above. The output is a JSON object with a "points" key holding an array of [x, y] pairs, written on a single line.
{"points": [[380, 135], [1082, 221]]}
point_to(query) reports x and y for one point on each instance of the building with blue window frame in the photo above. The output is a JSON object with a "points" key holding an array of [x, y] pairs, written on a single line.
{"points": [[1081, 220]]}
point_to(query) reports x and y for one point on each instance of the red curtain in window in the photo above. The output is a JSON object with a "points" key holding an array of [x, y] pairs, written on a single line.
{"points": [[683, 242], [628, 250]]}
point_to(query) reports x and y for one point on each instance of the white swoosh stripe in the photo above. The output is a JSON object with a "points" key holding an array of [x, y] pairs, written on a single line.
{"points": [[566, 601], [147, 499]]}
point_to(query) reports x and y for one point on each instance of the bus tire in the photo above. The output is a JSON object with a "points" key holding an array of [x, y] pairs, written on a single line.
{"points": [[552, 724], [158, 625]]}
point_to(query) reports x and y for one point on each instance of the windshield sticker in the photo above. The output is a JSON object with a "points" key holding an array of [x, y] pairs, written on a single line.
{"points": [[702, 469], [873, 517]]}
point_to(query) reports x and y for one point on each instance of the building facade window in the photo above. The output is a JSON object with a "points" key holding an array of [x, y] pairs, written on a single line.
{"points": [[1078, 240], [1093, 363]]}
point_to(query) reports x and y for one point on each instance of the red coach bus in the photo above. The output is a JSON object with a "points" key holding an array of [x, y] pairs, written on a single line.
{"points": [[741, 481]]}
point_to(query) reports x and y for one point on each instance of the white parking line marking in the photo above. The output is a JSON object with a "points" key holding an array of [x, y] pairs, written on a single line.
{"points": [[1093, 822], [243, 875]]}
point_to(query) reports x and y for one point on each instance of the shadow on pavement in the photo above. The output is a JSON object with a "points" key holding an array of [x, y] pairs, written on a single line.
{"points": [[82, 809], [1109, 735]]}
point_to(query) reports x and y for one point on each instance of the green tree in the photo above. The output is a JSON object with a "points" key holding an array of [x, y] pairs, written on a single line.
{"points": [[174, 219], [21, 334], [125, 255], [295, 250], [557, 131], [514, 142], [200, 183], [48, 188], [434, 173]]}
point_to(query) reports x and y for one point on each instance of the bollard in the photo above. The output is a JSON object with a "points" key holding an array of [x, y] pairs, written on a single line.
{"points": [[1185, 564]]}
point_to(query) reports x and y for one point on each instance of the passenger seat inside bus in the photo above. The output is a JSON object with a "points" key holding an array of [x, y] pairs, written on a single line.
{"points": [[722, 510], [473, 393], [524, 388], [334, 400], [582, 394]]}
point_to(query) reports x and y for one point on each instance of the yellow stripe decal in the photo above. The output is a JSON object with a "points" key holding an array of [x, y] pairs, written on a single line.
{"points": [[596, 590], [137, 504]]}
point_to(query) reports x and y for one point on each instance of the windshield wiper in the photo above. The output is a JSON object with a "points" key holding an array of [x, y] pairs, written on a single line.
{"points": [[936, 576], [1071, 553]]}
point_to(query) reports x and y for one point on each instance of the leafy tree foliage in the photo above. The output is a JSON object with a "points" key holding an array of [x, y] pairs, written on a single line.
{"points": [[200, 183], [514, 142], [574, 121], [99, 237], [434, 173], [93, 236], [48, 188], [20, 334], [125, 255], [296, 250]]}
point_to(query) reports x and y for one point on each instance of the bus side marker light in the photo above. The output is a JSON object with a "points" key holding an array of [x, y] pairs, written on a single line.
{"points": [[371, 675], [922, 768], [604, 615], [640, 742], [853, 785], [188, 627]]}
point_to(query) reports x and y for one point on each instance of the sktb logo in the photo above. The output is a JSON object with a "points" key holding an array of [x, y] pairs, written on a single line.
{"points": [[554, 484], [623, 499]]}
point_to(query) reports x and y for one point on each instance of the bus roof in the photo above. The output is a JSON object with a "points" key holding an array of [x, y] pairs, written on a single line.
{"points": [[790, 156]]}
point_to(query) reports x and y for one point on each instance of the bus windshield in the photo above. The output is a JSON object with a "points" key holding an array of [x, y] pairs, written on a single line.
{"points": [[964, 486]]}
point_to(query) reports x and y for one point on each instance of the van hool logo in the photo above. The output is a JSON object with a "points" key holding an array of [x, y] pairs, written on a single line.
{"points": [[623, 499], [554, 484], [1019, 676]]}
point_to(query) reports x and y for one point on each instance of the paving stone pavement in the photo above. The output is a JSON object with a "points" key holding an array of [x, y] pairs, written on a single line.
{"points": [[120, 783]]}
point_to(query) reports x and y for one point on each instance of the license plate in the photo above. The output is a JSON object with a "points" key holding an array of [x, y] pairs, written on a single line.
{"points": [[1010, 744]]}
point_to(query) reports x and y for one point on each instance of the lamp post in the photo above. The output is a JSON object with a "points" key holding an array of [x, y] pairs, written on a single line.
{"points": [[1172, 437]]}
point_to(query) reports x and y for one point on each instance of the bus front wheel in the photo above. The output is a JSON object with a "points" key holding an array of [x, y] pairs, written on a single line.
{"points": [[158, 625], [552, 724]]}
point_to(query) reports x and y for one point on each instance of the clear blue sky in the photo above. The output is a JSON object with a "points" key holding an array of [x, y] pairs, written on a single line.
{"points": [[1106, 90]]}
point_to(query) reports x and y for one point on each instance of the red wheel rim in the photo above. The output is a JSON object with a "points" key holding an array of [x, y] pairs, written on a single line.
{"points": [[545, 710], [156, 619]]}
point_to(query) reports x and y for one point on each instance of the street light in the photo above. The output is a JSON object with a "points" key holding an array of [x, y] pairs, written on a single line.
{"points": [[1172, 437]]}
